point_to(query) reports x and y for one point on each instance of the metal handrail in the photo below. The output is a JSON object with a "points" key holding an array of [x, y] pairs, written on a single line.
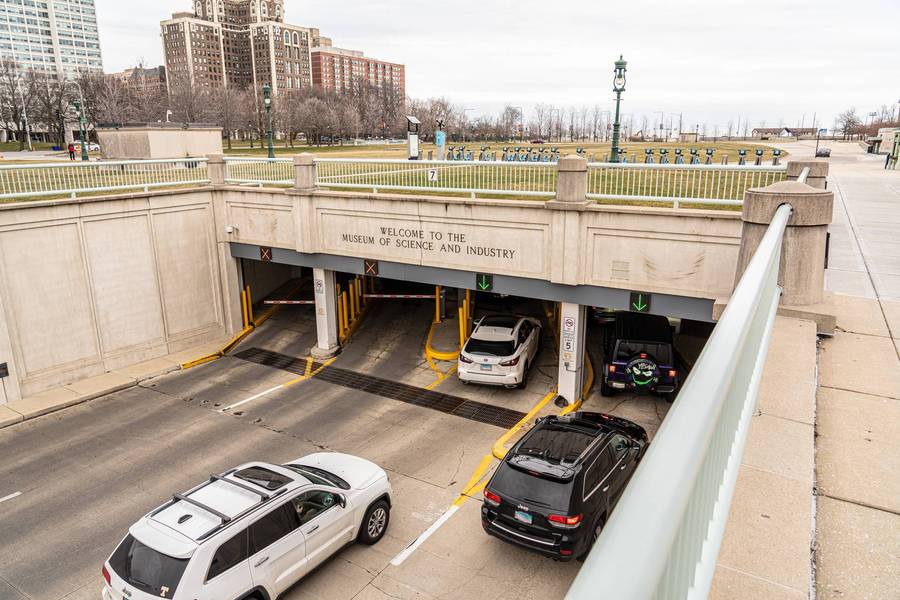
{"points": [[72, 178], [663, 539], [259, 170]]}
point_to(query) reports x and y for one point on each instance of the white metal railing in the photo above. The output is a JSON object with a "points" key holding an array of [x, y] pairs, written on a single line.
{"points": [[260, 171], [477, 177], [73, 178], [663, 539], [695, 184]]}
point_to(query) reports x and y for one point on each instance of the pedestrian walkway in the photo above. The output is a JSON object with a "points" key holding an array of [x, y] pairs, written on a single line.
{"points": [[857, 552]]}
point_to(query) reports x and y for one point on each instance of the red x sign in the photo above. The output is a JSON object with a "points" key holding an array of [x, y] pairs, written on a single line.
{"points": [[265, 254], [371, 267]]}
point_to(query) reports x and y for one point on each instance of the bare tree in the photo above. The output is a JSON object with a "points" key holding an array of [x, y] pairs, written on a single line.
{"points": [[848, 122], [190, 102], [16, 99]]}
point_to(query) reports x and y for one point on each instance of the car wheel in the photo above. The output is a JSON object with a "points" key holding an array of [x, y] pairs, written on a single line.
{"points": [[605, 390], [669, 397], [598, 529], [524, 383], [375, 523]]}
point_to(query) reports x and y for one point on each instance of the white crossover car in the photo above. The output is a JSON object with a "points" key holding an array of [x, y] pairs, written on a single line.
{"points": [[501, 351], [251, 532]]}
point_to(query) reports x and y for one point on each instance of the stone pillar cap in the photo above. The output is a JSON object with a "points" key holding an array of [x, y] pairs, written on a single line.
{"points": [[305, 159], [572, 163], [217, 158], [817, 168], [812, 206]]}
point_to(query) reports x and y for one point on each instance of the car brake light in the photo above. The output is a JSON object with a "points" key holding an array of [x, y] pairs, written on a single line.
{"points": [[106, 575], [643, 355], [565, 521], [612, 368], [565, 553], [673, 373], [510, 363], [463, 359], [491, 498]]}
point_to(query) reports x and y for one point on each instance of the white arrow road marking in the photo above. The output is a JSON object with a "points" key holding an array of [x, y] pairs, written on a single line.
{"points": [[10, 497]]}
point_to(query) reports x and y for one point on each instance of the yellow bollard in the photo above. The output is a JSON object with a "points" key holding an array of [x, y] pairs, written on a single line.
{"points": [[244, 316], [344, 305], [462, 330], [249, 306], [350, 305]]}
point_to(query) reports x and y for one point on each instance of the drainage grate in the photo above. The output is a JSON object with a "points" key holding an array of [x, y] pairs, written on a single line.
{"points": [[451, 405], [273, 359]]}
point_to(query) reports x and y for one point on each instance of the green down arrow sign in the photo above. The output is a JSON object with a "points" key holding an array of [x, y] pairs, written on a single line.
{"points": [[484, 283], [640, 302]]}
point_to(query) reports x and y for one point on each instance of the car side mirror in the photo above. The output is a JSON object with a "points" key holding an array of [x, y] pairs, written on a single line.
{"points": [[342, 500]]}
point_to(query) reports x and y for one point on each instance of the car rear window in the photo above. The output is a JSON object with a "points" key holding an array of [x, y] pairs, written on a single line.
{"points": [[511, 482], [628, 350], [146, 569], [499, 321], [486, 348]]}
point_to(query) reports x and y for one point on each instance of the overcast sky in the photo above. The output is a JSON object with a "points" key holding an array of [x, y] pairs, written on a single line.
{"points": [[712, 60]]}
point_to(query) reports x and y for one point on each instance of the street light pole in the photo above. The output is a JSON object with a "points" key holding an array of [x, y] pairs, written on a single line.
{"points": [[82, 121], [618, 88], [267, 100]]}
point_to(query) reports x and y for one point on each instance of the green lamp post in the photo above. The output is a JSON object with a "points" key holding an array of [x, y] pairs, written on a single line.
{"points": [[618, 88], [267, 94], [82, 123]]}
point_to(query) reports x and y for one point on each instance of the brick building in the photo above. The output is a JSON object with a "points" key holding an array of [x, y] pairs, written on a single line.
{"points": [[246, 43], [148, 81], [342, 71]]}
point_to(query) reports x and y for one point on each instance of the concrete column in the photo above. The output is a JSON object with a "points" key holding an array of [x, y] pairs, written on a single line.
{"points": [[3, 136], [572, 324], [818, 172], [571, 180], [304, 171], [216, 169], [802, 273], [327, 344]]}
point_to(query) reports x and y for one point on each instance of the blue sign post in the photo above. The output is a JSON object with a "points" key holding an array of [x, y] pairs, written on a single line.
{"points": [[440, 140]]}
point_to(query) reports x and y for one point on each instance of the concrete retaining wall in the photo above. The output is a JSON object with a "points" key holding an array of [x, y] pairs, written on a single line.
{"points": [[89, 286]]}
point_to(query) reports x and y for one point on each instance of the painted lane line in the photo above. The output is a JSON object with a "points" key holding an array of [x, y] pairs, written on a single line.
{"points": [[252, 398], [407, 552], [10, 497]]}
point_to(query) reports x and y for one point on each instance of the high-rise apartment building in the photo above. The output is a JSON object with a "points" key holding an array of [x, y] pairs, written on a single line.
{"points": [[246, 43], [239, 43], [56, 36], [343, 71]]}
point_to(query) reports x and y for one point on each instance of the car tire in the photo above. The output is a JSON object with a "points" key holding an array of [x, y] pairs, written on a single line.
{"points": [[375, 523], [605, 389], [598, 529], [524, 383], [669, 397]]}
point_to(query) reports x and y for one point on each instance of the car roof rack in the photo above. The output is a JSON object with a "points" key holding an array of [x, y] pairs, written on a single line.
{"points": [[264, 498]]}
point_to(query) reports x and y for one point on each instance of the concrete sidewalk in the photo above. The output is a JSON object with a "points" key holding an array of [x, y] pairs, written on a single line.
{"points": [[85, 390]]}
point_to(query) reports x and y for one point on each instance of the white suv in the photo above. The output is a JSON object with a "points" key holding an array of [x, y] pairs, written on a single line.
{"points": [[501, 351], [251, 532]]}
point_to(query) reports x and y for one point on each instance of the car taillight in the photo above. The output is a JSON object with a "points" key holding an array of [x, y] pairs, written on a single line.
{"points": [[611, 368], [564, 521], [463, 359], [565, 553], [673, 373], [106, 575], [491, 498], [510, 363]]}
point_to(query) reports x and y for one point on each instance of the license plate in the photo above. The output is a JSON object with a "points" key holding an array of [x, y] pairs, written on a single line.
{"points": [[524, 517], [486, 367]]}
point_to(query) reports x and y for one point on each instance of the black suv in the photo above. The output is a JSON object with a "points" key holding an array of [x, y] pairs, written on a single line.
{"points": [[638, 355], [555, 489]]}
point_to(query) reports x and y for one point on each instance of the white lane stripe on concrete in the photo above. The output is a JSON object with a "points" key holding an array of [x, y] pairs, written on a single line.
{"points": [[10, 497], [251, 398], [400, 558]]}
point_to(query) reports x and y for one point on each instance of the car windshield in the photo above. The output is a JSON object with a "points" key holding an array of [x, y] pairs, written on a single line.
{"points": [[320, 476], [511, 482], [628, 350], [146, 569], [490, 348]]}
